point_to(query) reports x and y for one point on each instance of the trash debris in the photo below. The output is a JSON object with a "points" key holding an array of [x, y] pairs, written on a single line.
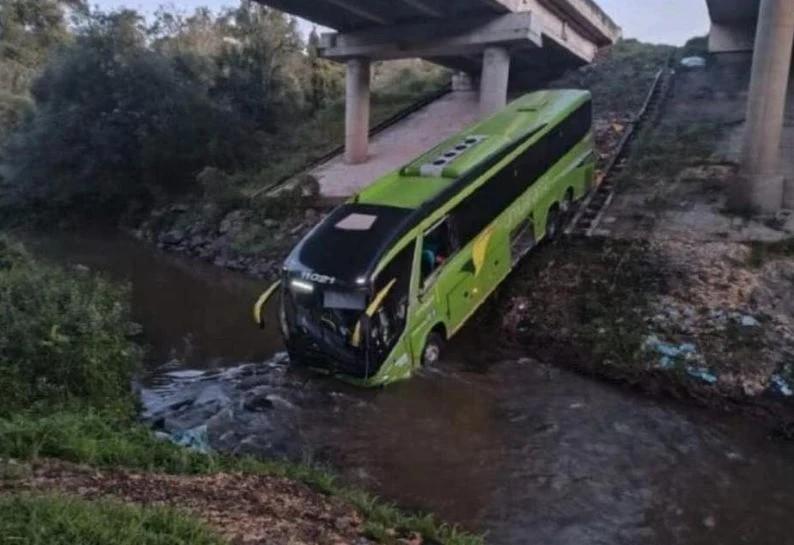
{"points": [[749, 321], [693, 62], [782, 386], [670, 353], [702, 373], [196, 439]]}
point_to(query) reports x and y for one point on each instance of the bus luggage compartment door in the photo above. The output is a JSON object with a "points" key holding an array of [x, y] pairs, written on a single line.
{"points": [[462, 297]]}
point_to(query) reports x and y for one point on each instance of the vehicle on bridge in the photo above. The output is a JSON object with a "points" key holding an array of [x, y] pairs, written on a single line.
{"points": [[376, 289]]}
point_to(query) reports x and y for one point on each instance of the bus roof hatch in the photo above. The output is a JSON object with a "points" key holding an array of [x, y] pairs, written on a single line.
{"points": [[439, 167]]}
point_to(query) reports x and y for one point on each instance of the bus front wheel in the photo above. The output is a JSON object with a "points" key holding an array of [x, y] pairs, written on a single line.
{"points": [[432, 351]]}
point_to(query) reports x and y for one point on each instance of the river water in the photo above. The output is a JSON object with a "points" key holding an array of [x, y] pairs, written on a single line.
{"points": [[523, 452]]}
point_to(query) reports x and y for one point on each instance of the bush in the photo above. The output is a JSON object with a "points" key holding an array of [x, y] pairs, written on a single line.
{"points": [[14, 109], [29, 520], [116, 120], [63, 337]]}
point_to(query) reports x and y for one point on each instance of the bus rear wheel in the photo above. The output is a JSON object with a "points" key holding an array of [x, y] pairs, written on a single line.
{"points": [[553, 224], [431, 354]]}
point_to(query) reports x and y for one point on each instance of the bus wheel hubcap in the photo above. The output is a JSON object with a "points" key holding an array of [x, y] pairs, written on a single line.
{"points": [[431, 354]]}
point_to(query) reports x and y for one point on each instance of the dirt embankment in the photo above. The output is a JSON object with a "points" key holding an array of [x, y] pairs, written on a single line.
{"points": [[681, 297], [244, 509], [691, 319]]}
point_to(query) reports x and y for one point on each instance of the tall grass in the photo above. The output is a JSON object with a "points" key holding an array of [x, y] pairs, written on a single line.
{"points": [[51, 520]]}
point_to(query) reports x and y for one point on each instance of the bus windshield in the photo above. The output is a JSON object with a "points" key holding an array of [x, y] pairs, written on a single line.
{"points": [[353, 326]]}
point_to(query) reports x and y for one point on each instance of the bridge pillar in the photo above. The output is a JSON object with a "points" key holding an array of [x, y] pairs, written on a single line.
{"points": [[761, 186], [494, 79], [357, 103]]}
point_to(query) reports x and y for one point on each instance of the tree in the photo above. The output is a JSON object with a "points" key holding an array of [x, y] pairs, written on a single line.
{"points": [[117, 120], [30, 30], [327, 78]]}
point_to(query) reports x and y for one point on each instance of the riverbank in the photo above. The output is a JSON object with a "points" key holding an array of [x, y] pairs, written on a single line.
{"points": [[80, 456], [690, 320], [74, 459]]}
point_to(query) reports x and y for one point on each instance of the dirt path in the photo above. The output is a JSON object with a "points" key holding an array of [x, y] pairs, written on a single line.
{"points": [[245, 509]]}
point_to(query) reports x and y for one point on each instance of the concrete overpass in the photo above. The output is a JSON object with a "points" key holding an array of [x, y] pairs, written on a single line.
{"points": [[493, 41], [765, 27]]}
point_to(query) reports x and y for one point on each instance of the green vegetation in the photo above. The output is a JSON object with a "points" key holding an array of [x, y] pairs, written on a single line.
{"points": [[30, 520], [761, 252], [63, 337], [29, 33], [696, 47]]}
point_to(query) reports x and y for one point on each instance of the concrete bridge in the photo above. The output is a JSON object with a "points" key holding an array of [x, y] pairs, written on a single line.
{"points": [[765, 30], [492, 41]]}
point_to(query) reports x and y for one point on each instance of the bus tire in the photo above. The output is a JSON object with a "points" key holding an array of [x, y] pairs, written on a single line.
{"points": [[431, 353], [553, 224], [568, 203]]}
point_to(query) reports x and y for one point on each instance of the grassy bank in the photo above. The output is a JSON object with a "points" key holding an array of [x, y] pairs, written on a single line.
{"points": [[57, 520], [94, 439], [67, 363]]}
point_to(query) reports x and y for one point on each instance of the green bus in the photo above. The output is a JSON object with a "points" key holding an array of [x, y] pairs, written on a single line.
{"points": [[377, 288]]}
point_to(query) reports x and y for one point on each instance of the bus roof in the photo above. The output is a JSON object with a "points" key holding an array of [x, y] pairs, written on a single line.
{"points": [[429, 175], [348, 244]]}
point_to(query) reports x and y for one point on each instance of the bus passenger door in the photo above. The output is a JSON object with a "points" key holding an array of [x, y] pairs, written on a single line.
{"points": [[435, 276]]}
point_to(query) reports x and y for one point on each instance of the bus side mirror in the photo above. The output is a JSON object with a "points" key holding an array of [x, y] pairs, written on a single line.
{"points": [[261, 302]]}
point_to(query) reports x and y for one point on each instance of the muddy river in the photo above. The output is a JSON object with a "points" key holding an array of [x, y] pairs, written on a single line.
{"points": [[523, 452]]}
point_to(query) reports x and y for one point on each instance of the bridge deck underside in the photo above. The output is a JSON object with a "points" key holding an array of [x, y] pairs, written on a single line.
{"points": [[349, 15]]}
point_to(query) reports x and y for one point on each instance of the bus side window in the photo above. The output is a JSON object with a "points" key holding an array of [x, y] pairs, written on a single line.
{"points": [[438, 245]]}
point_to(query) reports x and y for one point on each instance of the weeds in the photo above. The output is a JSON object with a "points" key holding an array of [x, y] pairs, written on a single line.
{"points": [[612, 309], [761, 252], [30, 520]]}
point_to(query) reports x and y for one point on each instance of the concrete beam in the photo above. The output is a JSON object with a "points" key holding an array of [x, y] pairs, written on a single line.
{"points": [[732, 37], [588, 19], [762, 188], [568, 36], [435, 39], [357, 105]]}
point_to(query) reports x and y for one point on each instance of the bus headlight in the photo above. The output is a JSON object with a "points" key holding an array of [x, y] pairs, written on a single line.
{"points": [[301, 286]]}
